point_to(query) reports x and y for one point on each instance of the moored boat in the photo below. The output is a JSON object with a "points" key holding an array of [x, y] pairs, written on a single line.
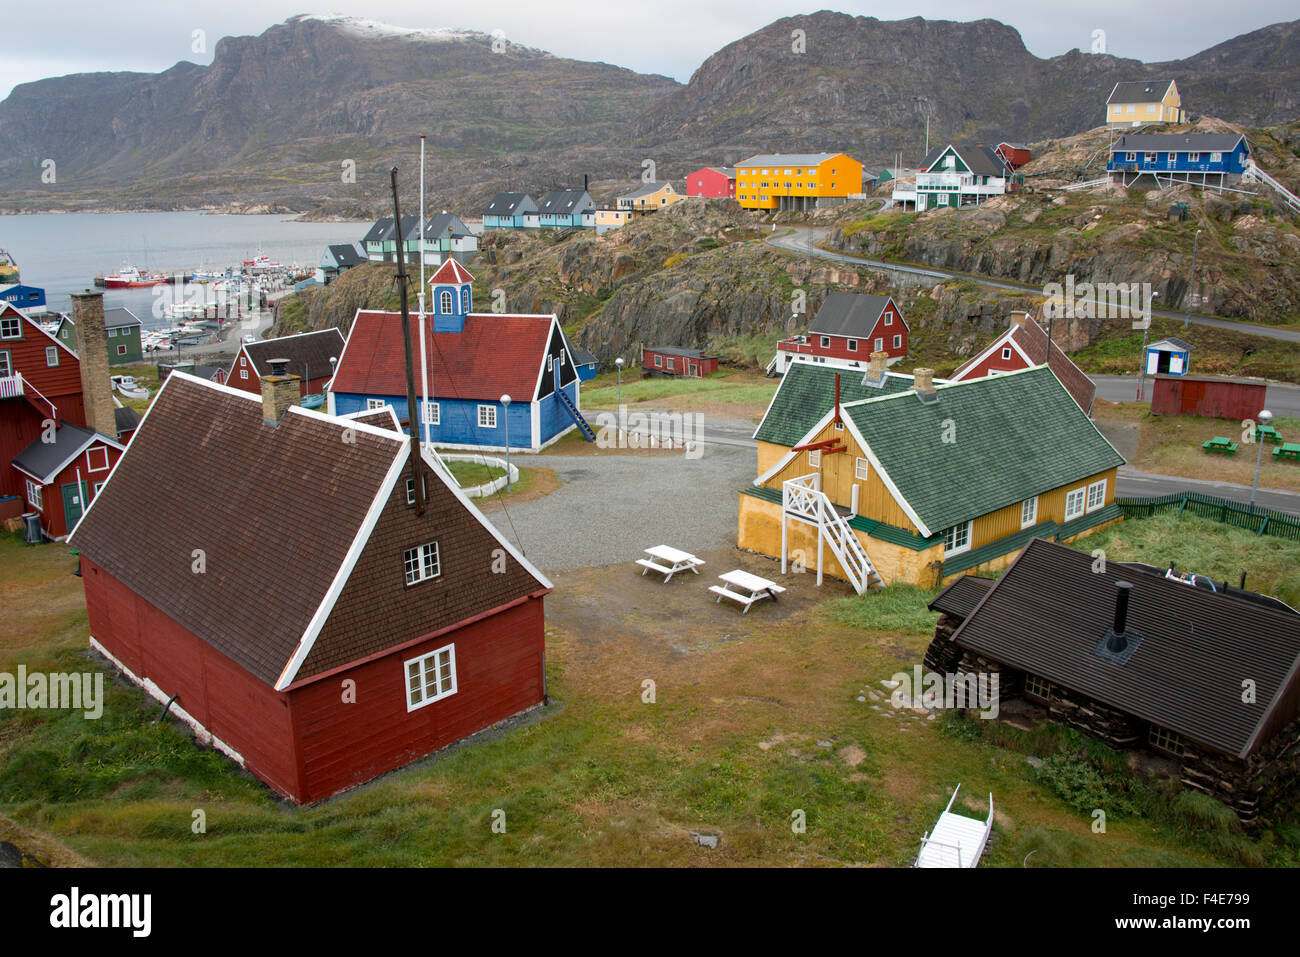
{"points": [[128, 387], [129, 277]]}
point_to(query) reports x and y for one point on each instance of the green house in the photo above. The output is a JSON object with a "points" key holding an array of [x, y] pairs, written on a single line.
{"points": [[123, 331]]}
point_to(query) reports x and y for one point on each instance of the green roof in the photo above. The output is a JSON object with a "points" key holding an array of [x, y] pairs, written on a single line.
{"points": [[807, 393], [1009, 437]]}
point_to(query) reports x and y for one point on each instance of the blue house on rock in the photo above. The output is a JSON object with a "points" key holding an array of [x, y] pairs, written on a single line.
{"points": [[1200, 159], [473, 360]]}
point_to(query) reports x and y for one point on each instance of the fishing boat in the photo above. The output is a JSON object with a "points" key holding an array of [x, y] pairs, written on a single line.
{"points": [[129, 277], [8, 268], [128, 387], [182, 310], [261, 264]]}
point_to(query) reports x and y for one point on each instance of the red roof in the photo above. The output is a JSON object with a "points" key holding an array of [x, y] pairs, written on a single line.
{"points": [[493, 355], [451, 271]]}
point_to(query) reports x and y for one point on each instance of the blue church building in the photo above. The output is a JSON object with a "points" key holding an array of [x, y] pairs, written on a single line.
{"points": [[472, 362]]}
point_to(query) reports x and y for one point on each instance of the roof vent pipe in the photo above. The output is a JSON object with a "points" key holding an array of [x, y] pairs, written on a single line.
{"points": [[1117, 641]]}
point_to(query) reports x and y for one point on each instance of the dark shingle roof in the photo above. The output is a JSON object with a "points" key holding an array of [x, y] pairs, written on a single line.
{"points": [[308, 353], [44, 460], [117, 317], [646, 189], [1032, 338], [807, 392], [346, 255], [1139, 91], [980, 159], [961, 597], [985, 444], [126, 419], [1177, 344], [442, 224], [379, 230], [581, 356], [848, 314], [1051, 608], [506, 204], [1177, 143], [563, 202], [674, 351]]}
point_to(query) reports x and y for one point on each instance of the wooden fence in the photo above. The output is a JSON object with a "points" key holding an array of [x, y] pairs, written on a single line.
{"points": [[1261, 521]]}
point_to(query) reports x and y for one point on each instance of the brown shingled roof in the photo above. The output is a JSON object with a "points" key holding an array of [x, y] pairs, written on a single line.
{"points": [[308, 353], [1032, 340]]}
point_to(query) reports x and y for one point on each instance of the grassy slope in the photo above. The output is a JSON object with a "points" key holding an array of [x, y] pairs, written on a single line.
{"points": [[731, 746]]}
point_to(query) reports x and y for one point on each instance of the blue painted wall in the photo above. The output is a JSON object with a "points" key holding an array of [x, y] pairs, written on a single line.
{"points": [[554, 418], [1176, 161], [457, 420]]}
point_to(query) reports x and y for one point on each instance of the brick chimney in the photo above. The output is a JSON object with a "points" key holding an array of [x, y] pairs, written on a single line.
{"points": [[923, 382], [92, 356], [279, 391], [877, 370]]}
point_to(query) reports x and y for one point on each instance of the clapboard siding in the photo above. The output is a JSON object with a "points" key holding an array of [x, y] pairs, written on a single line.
{"points": [[499, 667]]}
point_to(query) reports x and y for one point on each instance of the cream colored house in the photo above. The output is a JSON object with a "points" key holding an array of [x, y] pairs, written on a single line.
{"points": [[1141, 102]]}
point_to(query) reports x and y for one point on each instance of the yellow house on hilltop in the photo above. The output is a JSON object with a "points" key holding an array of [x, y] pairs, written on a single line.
{"points": [[797, 181], [1144, 101], [650, 196]]}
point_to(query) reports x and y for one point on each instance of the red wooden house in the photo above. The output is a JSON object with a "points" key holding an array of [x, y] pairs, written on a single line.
{"points": [[62, 477], [846, 330], [668, 360], [318, 614], [1021, 346], [309, 356], [716, 182]]}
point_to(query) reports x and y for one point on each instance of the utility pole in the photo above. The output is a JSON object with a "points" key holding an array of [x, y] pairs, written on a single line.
{"points": [[1142, 359]]}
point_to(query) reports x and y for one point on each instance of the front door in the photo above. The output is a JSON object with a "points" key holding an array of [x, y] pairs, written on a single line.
{"points": [[72, 507]]}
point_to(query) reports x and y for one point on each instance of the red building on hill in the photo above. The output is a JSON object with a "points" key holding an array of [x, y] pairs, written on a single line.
{"points": [[716, 182], [846, 330], [1021, 346], [349, 620]]}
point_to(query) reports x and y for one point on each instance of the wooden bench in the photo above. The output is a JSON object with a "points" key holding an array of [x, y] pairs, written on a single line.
{"points": [[742, 587], [669, 561], [1220, 444]]}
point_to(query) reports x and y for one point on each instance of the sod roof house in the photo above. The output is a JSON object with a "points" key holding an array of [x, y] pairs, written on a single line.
{"points": [[1158, 664], [1024, 344], [315, 612], [909, 480]]}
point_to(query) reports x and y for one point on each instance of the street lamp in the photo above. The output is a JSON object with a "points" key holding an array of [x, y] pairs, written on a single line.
{"points": [[1191, 278], [505, 400], [1142, 359], [1264, 418]]}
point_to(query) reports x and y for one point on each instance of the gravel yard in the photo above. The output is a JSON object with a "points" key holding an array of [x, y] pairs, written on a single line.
{"points": [[614, 504]]}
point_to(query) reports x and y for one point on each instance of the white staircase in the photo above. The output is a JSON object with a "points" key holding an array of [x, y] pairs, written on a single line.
{"points": [[1090, 184], [803, 500], [1254, 174]]}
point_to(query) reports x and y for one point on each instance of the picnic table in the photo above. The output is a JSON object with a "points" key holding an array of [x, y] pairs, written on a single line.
{"points": [[1220, 444], [745, 588], [1268, 432], [1288, 450], [669, 561]]}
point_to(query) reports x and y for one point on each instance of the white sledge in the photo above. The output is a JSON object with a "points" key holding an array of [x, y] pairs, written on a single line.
{"points": [[956, 841]]}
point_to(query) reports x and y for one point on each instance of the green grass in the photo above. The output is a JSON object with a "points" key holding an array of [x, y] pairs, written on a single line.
{"points": [[720, 387], [468, 474]]}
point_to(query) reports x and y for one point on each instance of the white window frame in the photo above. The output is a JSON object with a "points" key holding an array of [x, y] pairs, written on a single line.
{"points": [[34, 496], [550, 363], [898, 341], [889, 319], [826, 342], [432, 413], [243, 373], [1079, 496], [17, 327], [861, 469], [90, 465], [1096, 496], [446, 302], [418, 672], [421, 563], [853, 345], [1006, 352], [1029, 512], [121, 350], [51, 356], [659, 362], [959, 536], [1216, 157], [373, 404], [410, 491], [487, 416], [815, 458]]}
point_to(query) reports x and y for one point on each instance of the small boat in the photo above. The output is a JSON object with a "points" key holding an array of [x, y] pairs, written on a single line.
{"points": [[261, 264], [127, 386], [129, 277], [182, 310]]}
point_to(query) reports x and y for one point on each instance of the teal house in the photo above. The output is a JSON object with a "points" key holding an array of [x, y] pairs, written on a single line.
{"points": [[123, 329]]}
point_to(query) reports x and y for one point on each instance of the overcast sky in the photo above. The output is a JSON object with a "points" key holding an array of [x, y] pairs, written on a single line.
{"points": [[661, 36]]}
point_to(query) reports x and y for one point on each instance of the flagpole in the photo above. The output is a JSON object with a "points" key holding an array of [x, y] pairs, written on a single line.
{"points": [[424, 361]]}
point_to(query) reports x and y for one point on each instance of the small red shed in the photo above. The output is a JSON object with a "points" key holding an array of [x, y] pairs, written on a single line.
{"points": [[715, 182], [667, 360], [1215, 397], [314, 611], [62, 477], [1016, 155]]}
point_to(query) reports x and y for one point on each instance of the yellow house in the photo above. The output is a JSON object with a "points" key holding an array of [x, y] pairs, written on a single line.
{"points": [[650, 196], [1144, 101], [797, 181], [607, 219], [908, 480]]}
